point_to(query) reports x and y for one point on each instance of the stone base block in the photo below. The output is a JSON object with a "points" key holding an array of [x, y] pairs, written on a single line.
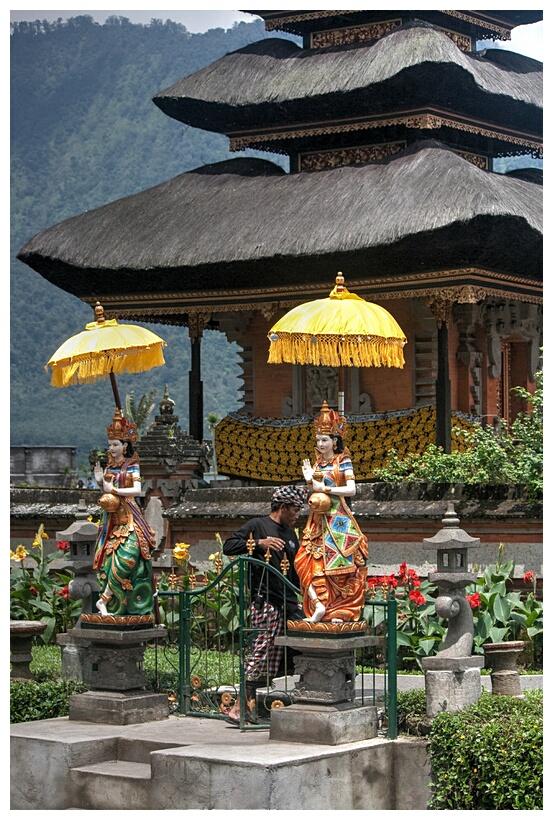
{"points": [[453, 689], [328, 725], [117, 708]]}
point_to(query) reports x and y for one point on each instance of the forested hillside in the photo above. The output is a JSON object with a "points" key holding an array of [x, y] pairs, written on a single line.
{"points": [[84, 132]]}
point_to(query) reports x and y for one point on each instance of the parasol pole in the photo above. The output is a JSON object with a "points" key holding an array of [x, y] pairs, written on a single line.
{"points": [[341, 398], [115, 391]]}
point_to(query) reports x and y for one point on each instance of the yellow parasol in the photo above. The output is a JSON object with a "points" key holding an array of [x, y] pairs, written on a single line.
{"points": [[342, 330], [103, 349]]}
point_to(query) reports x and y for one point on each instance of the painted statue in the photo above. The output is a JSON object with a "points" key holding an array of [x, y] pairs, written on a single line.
{"points": [[330, 562], [125, 540]]}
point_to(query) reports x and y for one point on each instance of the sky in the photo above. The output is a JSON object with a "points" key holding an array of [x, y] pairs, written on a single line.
{"points": [[526, 40]]}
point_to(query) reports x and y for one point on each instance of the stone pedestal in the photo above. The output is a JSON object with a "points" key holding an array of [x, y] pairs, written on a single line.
{"points": [[324, 709], [111, 663], [112, 659], [22, 635], [501, 658], [452, 684]]}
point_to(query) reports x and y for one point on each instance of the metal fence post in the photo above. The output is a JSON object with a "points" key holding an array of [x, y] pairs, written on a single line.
{"points": [[392, 668]]}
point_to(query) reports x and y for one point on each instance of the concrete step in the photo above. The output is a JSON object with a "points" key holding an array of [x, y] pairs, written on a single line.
{"points": [[113, 784]]}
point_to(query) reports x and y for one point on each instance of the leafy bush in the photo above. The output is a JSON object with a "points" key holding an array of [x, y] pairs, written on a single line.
{"points": [[481, 455], [499, 614], [39, 594], [489, 756], [503, 615], [39, 700]]}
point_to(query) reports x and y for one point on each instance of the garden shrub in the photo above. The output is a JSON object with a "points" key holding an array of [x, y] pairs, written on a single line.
{"points": [[37, 593], [489, 756], [499, 613], [39, 700], [514, 455]]}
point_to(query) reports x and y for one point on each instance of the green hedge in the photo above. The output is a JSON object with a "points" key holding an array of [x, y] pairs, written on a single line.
{"points": [[489, 756], [38, 700]]}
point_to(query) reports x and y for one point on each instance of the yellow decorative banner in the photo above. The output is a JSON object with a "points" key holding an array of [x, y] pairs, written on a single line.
{"points": [[273, 449]]}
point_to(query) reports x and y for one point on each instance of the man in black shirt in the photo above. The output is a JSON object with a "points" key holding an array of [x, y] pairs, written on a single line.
{"points": [[272, 601]]}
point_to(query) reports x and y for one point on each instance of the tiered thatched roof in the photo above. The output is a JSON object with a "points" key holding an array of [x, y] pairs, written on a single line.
{"points": [[274, 83], [243, 224]]}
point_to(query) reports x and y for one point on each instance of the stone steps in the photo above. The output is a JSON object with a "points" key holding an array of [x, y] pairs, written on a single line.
{"points": [[119, 783], [113, 784]]}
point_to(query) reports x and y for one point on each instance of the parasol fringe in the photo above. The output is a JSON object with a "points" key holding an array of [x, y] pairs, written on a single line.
{"points": [[94, 367], [337, 352]]}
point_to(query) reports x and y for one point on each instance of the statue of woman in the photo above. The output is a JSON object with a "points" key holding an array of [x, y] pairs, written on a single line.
{"points": [[125, 540], [331, 559]]}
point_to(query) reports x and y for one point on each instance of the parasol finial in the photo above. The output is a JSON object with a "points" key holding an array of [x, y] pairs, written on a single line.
{"points": [[99, 313], [340, 281]]}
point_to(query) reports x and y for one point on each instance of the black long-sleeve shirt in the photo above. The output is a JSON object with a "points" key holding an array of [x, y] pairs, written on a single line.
{"points": [[261, 528]]}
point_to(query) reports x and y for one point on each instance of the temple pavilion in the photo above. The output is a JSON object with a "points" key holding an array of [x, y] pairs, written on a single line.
{"points": [[394, 126]]}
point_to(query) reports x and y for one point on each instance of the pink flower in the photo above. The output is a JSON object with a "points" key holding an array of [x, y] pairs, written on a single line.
{"points": [[33, 591], [474, 600]]}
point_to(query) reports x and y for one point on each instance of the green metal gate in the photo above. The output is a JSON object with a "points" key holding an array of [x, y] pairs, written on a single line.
{"points": [[210, 633]]}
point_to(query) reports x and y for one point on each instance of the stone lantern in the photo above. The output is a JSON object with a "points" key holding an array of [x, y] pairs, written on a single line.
{"points": [[81, 536], [452, 677]]}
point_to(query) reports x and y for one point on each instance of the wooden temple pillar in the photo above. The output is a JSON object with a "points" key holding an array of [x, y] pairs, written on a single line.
{"points": [[197, 323], [442, 309]]}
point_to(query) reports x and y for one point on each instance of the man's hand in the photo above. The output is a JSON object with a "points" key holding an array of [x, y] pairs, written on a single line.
{"points": [[272, 543]]}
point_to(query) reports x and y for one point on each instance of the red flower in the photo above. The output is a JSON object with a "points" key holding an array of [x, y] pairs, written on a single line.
{"points": [[529, 577], [372, 582], [474, 600], [33, 591], [64, 545], [403, 572], [413, 578], [417, 597], [64, 593]]}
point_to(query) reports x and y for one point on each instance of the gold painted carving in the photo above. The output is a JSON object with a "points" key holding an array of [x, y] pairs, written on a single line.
{"points": [[278, 22], [340, 157], [441, 307], [353, 34], [198, 320], [462, 42], [503, 33], [476, 159], [417, 120], [330, 629], [405, 287]]}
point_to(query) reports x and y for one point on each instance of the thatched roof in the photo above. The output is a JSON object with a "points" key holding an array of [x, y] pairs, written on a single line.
{"points": [[274, 83], [426, 209]]}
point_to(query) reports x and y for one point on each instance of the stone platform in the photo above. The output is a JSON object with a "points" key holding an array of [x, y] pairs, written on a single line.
{"points": [[200, 763]]}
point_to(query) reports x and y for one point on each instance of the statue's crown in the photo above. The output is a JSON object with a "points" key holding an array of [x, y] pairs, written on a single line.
{"points": [[330, 423], [121, 429]]}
